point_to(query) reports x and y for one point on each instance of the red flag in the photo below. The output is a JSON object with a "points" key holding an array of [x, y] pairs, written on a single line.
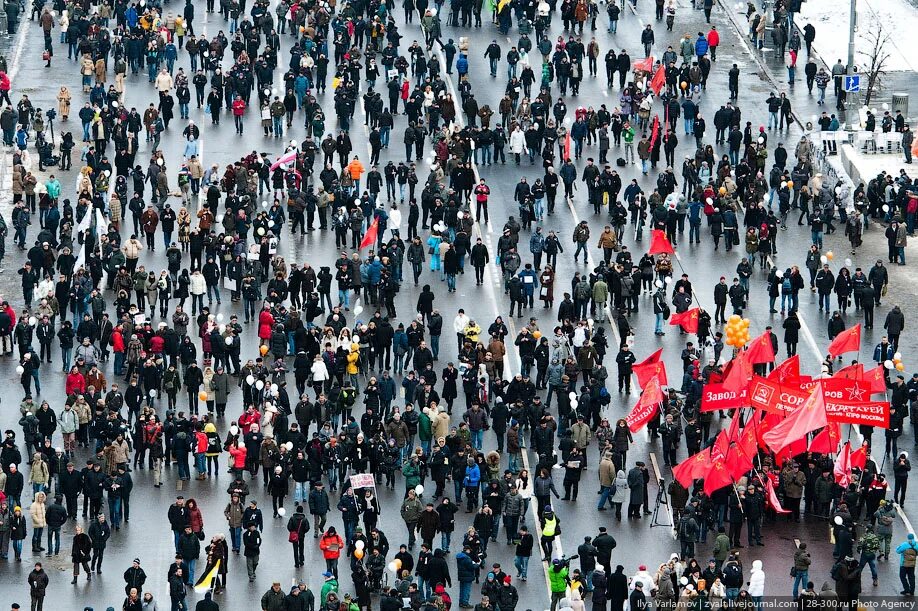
{"points": [[692, 468], [737, 378], [786, 371], [658, 81], [760, 350], [767, 423], [877, 379], [644, 65], [810, 416], [795, 449], [658, 243], [567, 146], [688, 320], [851, 372], [646, 407], [718, 475], [826, 441], [369, 238], [858, 458], [843, 466], [747, 439], [848, 340], [654, 131], [737, 461], [650, 367], [772, 498]]}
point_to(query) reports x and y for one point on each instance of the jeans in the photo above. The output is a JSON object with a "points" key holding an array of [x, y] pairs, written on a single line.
{"points": [[236, 537], [67, 354], [435, 339], [658, 328], [190, 563], [477, 438], [300, 491], [36, 537], [343, 298], [445, 538], [465, 591], [54, 540], [870, 559], [906, 575], [213, 290], [606, 491], [114, 511], [801, 577], [522, 566]]}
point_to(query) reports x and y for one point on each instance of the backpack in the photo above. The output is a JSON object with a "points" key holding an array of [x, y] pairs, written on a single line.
{"points": [[620, 162], [835, 573], [786, 285]]}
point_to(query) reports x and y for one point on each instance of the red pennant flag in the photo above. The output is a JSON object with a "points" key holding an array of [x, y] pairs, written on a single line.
{"points": [[877, 379], [810, 416], [826, 441], [659, 80], [646, 407], [644, 65], [740, 373], [369, 238], [654, 131], [688, 320], [567, 147], [692, 468], [858, 458], [650, 367], [760, 350], [787, 371], [772, 498], [658, 243], [843, 466], [848, 340]]}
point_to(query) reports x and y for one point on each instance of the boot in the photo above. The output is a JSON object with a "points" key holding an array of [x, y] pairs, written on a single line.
{"points": [[73, 581]]}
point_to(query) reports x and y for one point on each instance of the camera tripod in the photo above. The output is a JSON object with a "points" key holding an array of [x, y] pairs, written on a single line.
{"points": [[661, 500]]}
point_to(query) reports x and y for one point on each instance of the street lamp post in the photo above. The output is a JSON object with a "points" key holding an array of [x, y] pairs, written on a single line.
{"points": [[851, 100]]}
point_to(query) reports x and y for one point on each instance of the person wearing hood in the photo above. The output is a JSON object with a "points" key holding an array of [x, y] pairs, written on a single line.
{"points": [[465, 570], [901, 468], [757, 582], [557, 579], [617, 589], [908, 554], [666, 590]]}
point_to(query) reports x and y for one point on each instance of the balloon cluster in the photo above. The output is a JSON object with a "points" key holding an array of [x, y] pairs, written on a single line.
{"points": [[359, 549], [896, 362], [395, 566], [737, 331], [827, 257]]}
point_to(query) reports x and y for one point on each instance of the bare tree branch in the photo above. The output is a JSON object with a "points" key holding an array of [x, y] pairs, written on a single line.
{"points": [[875, 58]]}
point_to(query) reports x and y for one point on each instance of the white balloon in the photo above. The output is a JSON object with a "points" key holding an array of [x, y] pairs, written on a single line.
{"points": [[824, 259], [222, 328], [281, 511], [20, 369], [574, 404], [761, 140], [289, 445], [219, 317], [234, 430], [359, 544], [356, 339], [419, 489], [250, 379], [847, 262], [668, 279], [885, 208], [392, 567], [229, 341], [33, 321], [898, 356], [275, 388], [460, 214], [160, 161], [888, 364], [838, 520], [153, 393], [358, 310], [837, 190], [259, 385], [572, 396]]}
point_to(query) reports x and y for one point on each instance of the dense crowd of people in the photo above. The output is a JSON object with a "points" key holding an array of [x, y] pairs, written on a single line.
{"points": [[175, 390]]}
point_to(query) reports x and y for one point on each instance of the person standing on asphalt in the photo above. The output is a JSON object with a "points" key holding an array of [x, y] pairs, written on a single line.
{"points": [[908, 554], [38, 585], [251, 549]]}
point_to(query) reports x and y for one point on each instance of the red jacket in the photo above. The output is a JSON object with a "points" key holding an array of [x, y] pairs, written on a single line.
{"points": [[5, 84], [117, 341], [238, 453], [238, 107], [265, 324], [713, 38], [331, 546], [157, 344], [75, 384], [201, 445], [246, 420]]}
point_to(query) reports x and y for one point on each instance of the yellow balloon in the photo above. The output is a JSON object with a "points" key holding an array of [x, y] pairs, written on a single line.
{"points": [[734, 318], [398, 563], [263, 350], [790, 184], [202, 395], [684, 85], [537, 334], [900, 366], [723, 190], [358, 554]]}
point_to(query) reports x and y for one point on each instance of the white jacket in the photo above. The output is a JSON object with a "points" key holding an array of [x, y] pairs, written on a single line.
{"points": [[395, 219], [517, 141], [757, 580], [197, 286], [460, 323], [319, 371]]}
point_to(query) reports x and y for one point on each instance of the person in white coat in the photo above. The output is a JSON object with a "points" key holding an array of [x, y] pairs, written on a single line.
{"points": [[319, 374], [459, 324], [517, 143], [395, 220], [197, 287], [757, 583]]}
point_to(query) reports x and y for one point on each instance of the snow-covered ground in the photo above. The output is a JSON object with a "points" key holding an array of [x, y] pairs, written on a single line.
{"points": [[830, 18]]}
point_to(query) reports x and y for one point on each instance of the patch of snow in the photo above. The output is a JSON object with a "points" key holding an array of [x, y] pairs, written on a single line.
{"points": [[898, 18]]}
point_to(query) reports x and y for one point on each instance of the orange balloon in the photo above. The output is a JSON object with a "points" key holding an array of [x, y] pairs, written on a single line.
{"points": [[790, 184], [358, 554], [263, 350], [723, 190], [900, 366], [830, 255], [398, 563], [202, 395], [537, 334]]}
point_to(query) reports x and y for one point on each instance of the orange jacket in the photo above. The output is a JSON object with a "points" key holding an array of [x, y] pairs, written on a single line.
{"points": [[355, 168]]}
